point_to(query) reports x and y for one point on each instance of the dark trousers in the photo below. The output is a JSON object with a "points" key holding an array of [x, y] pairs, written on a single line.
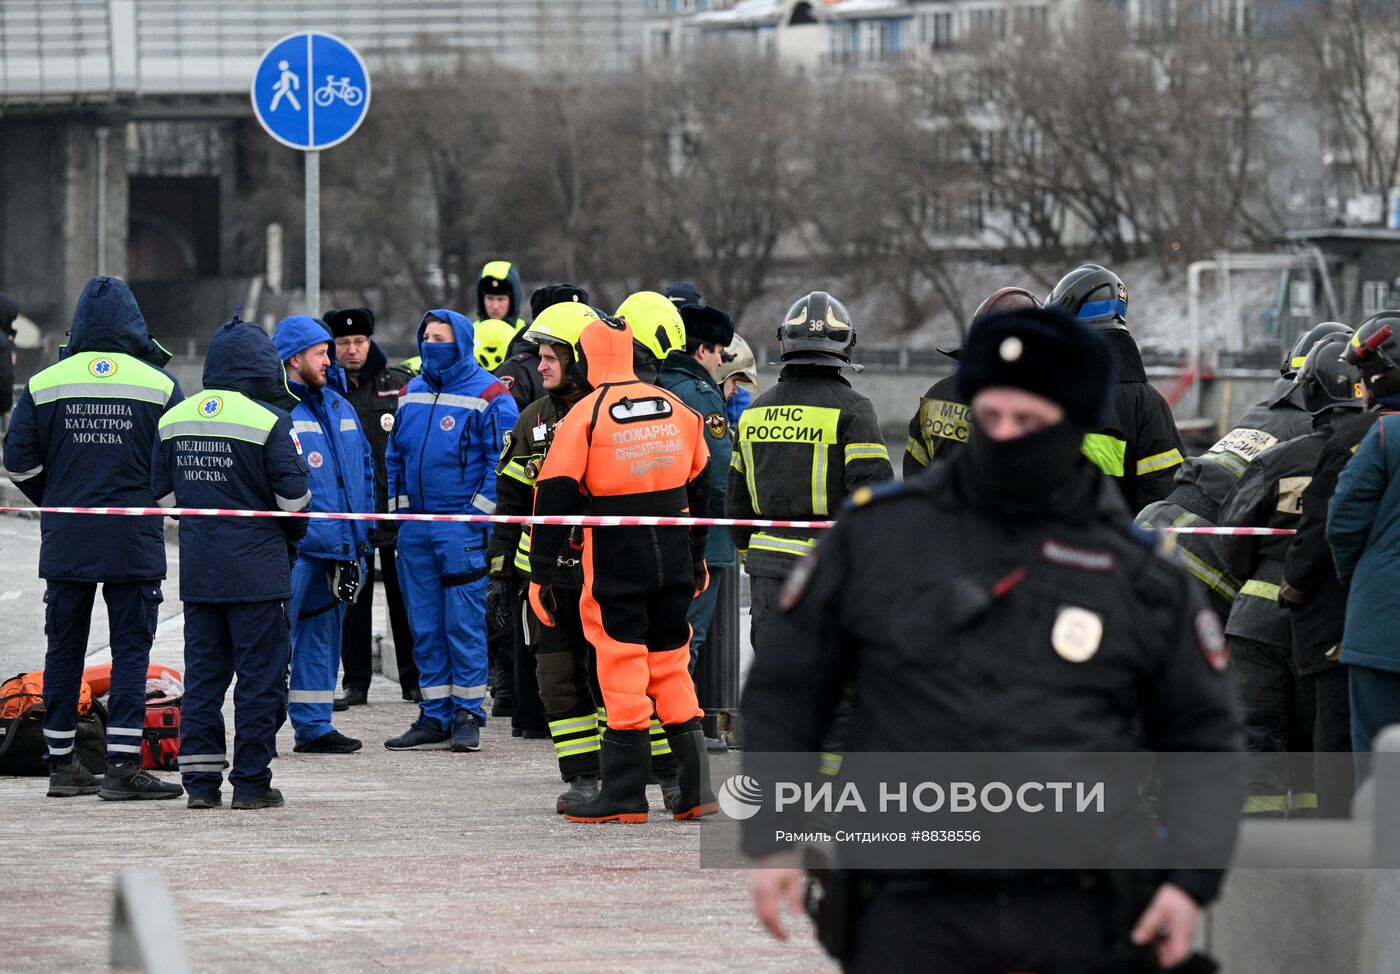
{"points": [[357, 642], [1048, 931], [132, 611], [1278, 719], [763, 600], [1375, 704], [252, 640], [567, 681], [500, 655], [528, 711], [1332, 742]]}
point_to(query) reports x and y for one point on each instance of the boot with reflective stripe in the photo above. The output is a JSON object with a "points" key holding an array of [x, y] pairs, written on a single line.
{"points": [[623, 797], [696, 797]]}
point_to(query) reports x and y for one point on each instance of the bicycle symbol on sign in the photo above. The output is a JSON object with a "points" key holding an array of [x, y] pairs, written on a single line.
{"points": [[338, 88]]}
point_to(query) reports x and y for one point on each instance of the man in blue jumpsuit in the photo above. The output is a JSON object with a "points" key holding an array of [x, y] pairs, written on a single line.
{"points": [[81, 436], [233, 446], [330, 560], [450, 430]]}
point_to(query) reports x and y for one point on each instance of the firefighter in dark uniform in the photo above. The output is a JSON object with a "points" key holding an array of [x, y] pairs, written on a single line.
{"points": [[374, 387], [560, 656], [1202, 482], [234, 446], [1139, 444], [1279, 712], [803, 447], [81, 437], [1317, 600], [956, 647], [940, 426]]}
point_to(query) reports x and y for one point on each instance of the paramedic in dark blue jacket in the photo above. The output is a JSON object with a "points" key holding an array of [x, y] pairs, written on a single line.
{"points": [[232, 446], [450, 430], [81, 436], [330, 560]]}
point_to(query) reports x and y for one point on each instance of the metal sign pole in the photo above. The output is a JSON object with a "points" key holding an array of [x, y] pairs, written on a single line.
{"points": [[313, 233]]}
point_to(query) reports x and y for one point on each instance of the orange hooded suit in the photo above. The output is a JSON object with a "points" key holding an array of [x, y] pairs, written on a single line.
{"points": [[627, 448]]}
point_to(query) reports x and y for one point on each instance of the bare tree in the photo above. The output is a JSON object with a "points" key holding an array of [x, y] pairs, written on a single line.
{"points": [[1352, 52]]}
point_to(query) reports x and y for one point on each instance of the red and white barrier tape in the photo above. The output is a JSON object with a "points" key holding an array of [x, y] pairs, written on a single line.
{"points": [[567, 520]]}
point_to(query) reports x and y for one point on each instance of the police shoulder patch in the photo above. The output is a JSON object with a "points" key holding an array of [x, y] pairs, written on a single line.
{"points": [[1211, 637], [871, 493], [506, 380]]}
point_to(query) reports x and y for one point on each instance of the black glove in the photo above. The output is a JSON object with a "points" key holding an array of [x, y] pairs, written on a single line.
{"points": [[498, 602], [345, 581]]}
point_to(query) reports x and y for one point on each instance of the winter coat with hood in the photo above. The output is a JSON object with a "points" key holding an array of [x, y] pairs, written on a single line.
{"points": [[232, 446], [82, 434], [334, 448], [375, 395], [449, 432], [520, 372], [1363, 528]]}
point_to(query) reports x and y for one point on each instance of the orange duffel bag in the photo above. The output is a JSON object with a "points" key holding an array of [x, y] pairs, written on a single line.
{"points": [[99, 676]]}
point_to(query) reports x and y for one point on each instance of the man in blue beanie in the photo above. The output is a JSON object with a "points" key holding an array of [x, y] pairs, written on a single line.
{"points": [[330, 563]]}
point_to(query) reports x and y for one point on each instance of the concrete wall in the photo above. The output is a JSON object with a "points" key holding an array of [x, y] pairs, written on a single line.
{"points": [[52, 199]]}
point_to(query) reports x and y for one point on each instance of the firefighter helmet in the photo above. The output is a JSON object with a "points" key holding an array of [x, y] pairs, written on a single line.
{"points": [[1306, 342], [1375, 349], [1327, 380], [1094, 295], [1002, 299], [493, 338], [737, 360], [817, 330], [655, 322], [562, 324]]}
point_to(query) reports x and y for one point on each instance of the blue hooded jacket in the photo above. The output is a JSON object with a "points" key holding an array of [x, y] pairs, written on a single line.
{"points": [[81, 436], [450, 430], [333, 446], [232, 446]]}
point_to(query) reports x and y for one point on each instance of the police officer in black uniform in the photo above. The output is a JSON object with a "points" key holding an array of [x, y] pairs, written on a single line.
{"points": [[1138, 444], [373, 387], [953, 646]]}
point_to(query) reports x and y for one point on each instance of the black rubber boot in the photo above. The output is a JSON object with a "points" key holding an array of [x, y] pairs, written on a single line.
{"points": [[581, 789], [696, 798], [131, 782], [623, 796]]}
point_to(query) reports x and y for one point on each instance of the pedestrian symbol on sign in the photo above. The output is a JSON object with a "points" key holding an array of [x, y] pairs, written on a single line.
{"points": [[284, 86]]}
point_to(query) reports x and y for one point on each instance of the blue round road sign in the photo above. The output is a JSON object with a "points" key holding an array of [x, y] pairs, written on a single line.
{"points": [[310, 90]]}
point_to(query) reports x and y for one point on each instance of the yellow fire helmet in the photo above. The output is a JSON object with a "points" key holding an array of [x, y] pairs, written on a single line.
{"points": [[655, 322], [737, 360], [493, 338], [562, 324]]}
